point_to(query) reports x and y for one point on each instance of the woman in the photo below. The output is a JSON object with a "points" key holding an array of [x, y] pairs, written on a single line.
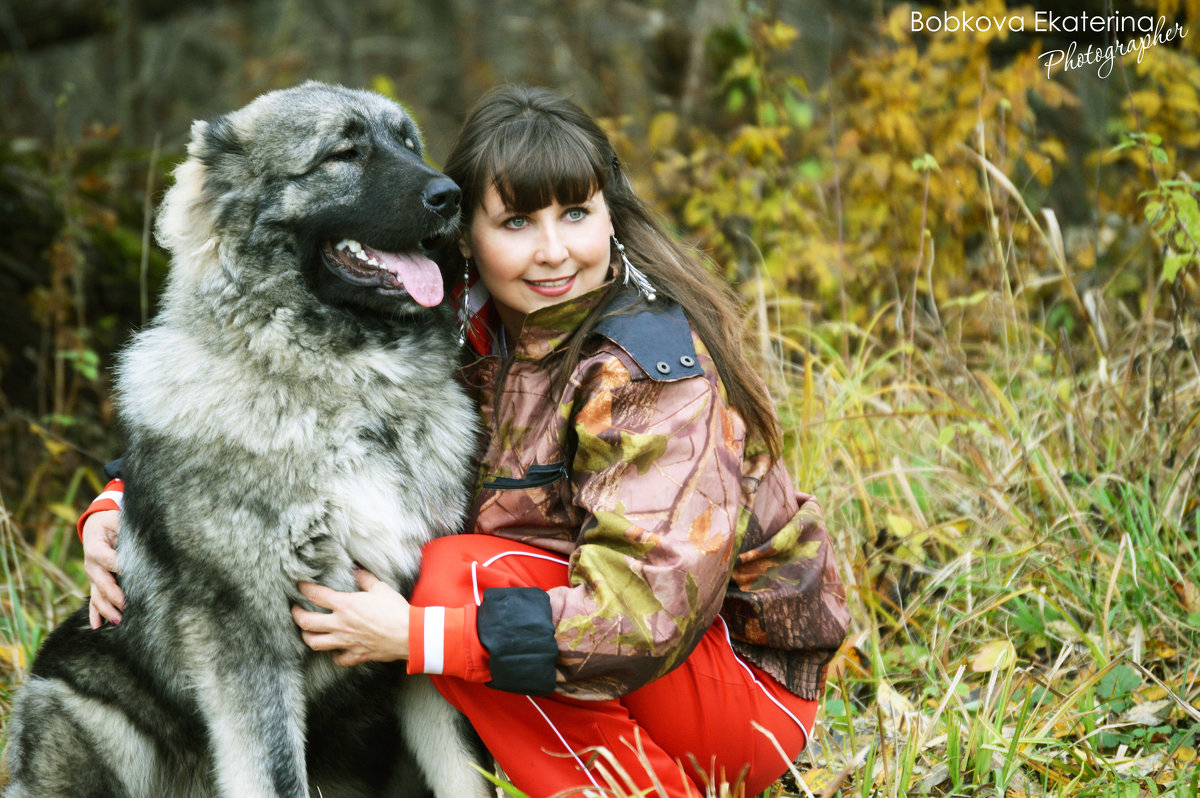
{"points": [[640, 576]]}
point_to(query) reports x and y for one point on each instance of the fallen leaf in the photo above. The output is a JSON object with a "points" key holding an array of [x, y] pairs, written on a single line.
{"points": [[1148, 713], [1152, 692], [894, 706], [1164, 650], [993, 656], [901, 527], [1144, 765], [934, 778], [1188, 595], [818, 779]]}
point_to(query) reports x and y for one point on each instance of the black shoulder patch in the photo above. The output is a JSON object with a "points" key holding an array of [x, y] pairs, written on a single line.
{"points": [[658, 337]]}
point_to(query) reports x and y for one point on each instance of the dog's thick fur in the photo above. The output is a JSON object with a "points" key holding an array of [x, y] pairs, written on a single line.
{"points": [[289, 413]]}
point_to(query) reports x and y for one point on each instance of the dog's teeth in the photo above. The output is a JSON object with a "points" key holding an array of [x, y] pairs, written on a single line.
{"points": [[355, 247], [372, 261]]}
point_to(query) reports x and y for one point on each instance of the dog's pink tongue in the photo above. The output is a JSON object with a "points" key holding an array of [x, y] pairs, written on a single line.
{"points": [[419, 276]]}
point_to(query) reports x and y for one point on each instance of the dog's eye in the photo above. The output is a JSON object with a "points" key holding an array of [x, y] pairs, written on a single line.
{"points": [[410, 144], [348, 154]]}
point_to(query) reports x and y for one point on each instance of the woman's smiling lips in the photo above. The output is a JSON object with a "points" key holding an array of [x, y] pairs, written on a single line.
{"points": [[555, 287]]}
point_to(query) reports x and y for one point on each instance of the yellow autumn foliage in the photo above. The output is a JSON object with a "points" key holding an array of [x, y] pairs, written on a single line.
{"points": [[868, 191]]}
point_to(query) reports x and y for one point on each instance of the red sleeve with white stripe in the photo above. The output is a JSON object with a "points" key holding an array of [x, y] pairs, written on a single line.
{"points": [[110, 499], [443, 640]]}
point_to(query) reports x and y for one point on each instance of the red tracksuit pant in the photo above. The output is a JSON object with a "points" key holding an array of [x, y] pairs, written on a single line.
{"points": [[692, 727]]}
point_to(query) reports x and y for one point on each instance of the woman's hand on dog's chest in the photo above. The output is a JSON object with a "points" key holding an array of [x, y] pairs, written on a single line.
{"points": [[369, 625]]}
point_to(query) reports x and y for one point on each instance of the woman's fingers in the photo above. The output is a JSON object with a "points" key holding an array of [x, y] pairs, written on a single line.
{"points": [[313, 622], [370, 624], [104, 584], [347, 659], [99, 536], [100, 564], [106, 600], [366, 580], [320, 642], [320, 634], [320, 595], [100, 609], [316, 629], [108, 560]]}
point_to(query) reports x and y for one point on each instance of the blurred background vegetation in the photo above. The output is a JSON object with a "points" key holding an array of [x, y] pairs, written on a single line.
{"points": [[975, 283]]}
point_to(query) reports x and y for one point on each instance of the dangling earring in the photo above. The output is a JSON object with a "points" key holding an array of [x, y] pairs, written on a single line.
{"points": [[632, 274], [464, 312]]}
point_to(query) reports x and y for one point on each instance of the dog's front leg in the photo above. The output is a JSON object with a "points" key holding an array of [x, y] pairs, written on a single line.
{"points": [[252, 700], [433, 731]]}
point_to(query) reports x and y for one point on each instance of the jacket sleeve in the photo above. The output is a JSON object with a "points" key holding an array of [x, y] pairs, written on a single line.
{"points": [[786, 607], [656, 471], [110, 499]]}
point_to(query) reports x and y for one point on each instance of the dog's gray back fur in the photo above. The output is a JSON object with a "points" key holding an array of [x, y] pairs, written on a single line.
{"points": [[281, 426]]}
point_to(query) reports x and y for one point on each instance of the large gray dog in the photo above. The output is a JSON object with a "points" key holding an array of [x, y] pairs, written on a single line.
{"points": [[291, 412]]}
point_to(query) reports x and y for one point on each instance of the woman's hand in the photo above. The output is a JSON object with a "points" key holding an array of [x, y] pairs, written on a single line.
{"points": [[100, 564], [368, 626]]}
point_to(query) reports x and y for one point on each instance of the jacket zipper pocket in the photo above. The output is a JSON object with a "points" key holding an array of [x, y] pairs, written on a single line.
{"points": [[535, 477]]}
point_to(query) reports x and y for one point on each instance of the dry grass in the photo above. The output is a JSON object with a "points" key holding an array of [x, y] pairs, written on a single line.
{"points": [[1018, 523], [1020, 530], [1017, 514]]}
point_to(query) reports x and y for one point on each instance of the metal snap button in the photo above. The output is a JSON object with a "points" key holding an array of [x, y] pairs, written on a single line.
{"points": [[663, 368], [687, 361]]}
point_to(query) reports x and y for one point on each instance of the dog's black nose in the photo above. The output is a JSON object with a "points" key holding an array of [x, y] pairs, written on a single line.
{"points": [[442, 196]]}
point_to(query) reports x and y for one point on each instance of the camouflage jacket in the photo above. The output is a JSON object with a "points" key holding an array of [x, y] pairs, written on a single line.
{"points": [[639, 475]]}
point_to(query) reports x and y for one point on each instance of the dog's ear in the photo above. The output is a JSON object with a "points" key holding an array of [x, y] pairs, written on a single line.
{"points": [[186, 224], [212, 140], [199, 129]]}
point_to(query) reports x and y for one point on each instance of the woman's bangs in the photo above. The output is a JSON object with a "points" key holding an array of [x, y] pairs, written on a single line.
{"points": [[541, 165]]}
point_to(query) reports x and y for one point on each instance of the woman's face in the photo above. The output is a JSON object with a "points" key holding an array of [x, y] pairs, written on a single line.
{"points": [[532, 260]]}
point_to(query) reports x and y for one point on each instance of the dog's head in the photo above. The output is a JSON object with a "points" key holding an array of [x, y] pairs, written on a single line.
{"points": [[321, 185]]}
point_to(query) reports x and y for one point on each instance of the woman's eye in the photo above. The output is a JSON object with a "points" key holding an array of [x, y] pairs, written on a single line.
{"points": [[575, 214], [515, 223]]}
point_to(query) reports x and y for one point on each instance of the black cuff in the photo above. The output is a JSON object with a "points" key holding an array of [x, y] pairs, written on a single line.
{"points": [[515, 626], [115, 469]]}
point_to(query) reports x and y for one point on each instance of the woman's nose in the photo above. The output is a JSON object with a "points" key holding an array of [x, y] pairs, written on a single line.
{"points": [[552, 248]]}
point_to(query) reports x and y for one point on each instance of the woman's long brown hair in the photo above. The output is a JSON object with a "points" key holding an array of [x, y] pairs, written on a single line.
{"points": [[537, 147]]}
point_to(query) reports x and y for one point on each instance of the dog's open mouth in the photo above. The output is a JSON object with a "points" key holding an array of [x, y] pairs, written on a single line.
{"points": [[405, 273]]}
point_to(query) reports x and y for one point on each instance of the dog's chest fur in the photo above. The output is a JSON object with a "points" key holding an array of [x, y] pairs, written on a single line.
{"points": [[358, 458]]}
